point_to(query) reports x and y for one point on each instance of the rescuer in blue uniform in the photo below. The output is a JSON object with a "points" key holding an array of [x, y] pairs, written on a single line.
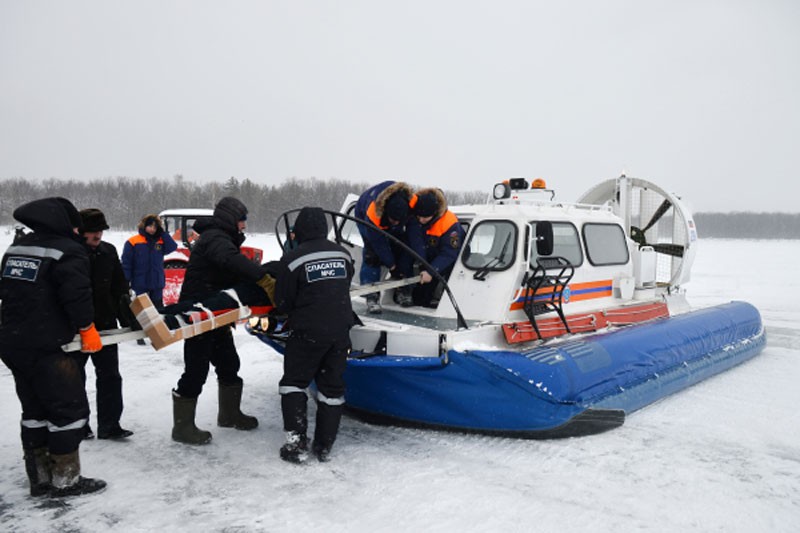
{"points": [[386, 205], [435, 234]]}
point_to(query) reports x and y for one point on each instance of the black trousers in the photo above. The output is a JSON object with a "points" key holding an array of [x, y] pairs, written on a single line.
{"points": [[324, 362], [50, 387], [108, 383], [213, 348], [425, 294]]}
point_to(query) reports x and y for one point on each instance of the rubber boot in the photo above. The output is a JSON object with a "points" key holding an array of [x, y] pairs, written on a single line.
{"points": [[328, 418], [230, 414], [183, 429], [37, 466], [67, 479]]}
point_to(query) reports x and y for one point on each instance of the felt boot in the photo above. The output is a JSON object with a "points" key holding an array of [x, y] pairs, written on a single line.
{"points": [[37, 466], [66, 477]]}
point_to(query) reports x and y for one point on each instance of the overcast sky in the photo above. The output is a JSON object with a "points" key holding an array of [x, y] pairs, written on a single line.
{"points": [[701, 97]]}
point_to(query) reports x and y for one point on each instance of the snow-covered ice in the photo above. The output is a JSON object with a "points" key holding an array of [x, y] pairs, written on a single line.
{"points": [[721, 456]]}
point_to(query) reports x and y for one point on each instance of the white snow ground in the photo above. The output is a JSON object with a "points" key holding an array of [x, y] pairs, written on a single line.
{"points": [[721, 456]]}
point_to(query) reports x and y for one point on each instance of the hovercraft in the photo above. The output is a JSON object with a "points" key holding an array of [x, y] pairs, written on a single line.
{"points": [[557, 320]]}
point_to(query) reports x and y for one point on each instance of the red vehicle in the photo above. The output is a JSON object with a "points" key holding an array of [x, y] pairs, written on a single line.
{"points": [[180, 224]]}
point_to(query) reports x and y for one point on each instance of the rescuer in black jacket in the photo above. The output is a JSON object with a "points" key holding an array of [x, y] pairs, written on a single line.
{"points": [[216, 263], [47, 299], [313, 290], [109, 289]]}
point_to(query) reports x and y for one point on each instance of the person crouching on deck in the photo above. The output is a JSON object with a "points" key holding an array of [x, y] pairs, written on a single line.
{"points": [[386, 205]]}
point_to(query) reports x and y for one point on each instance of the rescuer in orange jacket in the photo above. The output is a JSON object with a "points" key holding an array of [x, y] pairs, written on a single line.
{"points": [[434, 233], [143, 258], [387, 206]]}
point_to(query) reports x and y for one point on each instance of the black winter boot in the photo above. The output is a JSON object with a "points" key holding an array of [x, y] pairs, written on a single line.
{"points": [[374, 303], [328, 419], [183, 429], [295, 424], [67, 479], [296, 448], [403, 296], [230, 414], [115, 432], [37, 466]]}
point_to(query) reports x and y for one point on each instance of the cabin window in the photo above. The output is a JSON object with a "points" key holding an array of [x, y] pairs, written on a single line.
{"points": [[566, 243], [491, 246], [173, 225], [605, 244]]}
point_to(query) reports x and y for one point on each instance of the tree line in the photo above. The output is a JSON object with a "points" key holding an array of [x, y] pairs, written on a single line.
{"points": [[125, 200], [746, 225]]}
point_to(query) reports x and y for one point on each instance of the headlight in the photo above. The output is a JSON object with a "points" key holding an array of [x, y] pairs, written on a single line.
{"points": [[501, 191]]}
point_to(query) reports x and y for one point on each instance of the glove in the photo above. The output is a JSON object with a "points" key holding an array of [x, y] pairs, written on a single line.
{"points": [[90, 339], [267, 283]]}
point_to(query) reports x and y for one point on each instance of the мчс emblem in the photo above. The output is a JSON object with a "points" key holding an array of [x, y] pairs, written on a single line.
{"points": [[326, 269], [455, 241], [22, 268]]}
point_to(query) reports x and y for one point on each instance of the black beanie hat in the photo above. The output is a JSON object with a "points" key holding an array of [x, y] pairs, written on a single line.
{"points": [[427, 205], [93, 220], [397, 207]]}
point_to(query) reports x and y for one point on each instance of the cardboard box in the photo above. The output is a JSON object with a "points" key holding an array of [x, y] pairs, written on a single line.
{"points": [[160, 335]]}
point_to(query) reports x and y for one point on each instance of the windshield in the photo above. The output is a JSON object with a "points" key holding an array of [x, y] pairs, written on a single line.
{"points": [[491, 246]]}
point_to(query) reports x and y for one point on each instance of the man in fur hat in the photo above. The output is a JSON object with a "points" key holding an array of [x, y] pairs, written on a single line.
{"points": [[110, 298], [386, 205], [435, 234]]}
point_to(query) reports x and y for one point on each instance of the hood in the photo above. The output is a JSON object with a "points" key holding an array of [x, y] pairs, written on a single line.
{"points": [[203, 223], [399, 187], [228, 212], [310, 224], [441, 201], [54, 215], [149, 219]]}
